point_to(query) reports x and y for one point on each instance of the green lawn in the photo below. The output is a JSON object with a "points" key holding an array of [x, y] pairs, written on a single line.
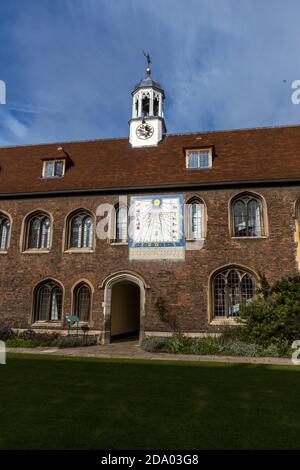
{"points": [[81, 403]]}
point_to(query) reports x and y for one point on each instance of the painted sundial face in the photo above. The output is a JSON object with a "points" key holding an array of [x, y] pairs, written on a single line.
{"points": [[157, 221], [144, 131]]}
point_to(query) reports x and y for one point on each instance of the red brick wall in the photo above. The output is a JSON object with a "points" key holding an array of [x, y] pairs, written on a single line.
{"points": [[184, 285]]}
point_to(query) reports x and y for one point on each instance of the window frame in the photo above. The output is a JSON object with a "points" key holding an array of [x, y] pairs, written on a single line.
{"points": [[114, 240], [36, 302], [26, 232], [54, 161], [188, 219], [84, 213], [263, 216], [75, 294], [5, 217], [224, 273], [199, 150]]}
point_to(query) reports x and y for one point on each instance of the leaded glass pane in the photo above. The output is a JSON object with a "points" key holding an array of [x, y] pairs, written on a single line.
{"points": [[43, 303], [76, 232], [196, 220], [219, 296], [240, 219], [4, 232], [233, 293], [45, 236], [34, 233], [56, 297], [83, 302], [247, 288], [121, 224], [254, 228], [87, 232]]}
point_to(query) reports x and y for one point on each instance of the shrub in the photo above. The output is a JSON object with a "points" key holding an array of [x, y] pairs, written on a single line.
{"points": [[177, 343], [153, 343], [240, 348], [20, 343], [27, 334], [73, 341], [275, 317], [6, 332]]}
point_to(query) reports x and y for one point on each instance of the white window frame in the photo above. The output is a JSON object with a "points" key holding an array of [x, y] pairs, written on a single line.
{"points": [[55, 160], [187, 154]]}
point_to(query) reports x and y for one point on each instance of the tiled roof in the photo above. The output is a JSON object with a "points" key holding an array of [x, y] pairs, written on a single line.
{"points": [[269, 153]]}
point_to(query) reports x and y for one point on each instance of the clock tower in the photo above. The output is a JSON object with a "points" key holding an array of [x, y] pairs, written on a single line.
{"points": [[147, 125]]}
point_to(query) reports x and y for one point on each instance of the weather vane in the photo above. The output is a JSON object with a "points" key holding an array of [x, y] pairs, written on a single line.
{"points": [[148, 58]]}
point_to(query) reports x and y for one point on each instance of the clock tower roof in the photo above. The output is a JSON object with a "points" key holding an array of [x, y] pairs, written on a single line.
{"points": [[148, 82]]}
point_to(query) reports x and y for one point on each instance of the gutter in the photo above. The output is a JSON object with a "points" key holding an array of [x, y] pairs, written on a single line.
{"points": [[145, 189]]}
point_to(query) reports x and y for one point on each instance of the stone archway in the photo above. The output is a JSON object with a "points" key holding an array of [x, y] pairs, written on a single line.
{"points": [[123, 306]]}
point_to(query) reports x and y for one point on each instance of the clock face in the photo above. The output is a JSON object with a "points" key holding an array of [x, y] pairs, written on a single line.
{"points": [[156, 221], [144, 131]]}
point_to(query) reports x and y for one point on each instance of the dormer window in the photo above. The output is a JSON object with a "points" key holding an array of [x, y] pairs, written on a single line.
{"points": [[199, 158], [53, 168]]}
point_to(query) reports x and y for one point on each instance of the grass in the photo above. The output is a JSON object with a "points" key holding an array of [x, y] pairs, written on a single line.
{"points": [[58, 402]]}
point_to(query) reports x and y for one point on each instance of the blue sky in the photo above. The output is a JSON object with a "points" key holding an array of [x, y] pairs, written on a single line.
{"points": [[70, 65]]}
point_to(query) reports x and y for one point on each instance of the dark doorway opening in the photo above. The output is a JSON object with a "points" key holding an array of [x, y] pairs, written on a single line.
{"points": [[125, 311]]}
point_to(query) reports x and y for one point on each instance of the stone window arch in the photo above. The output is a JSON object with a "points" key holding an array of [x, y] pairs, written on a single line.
{"points": [[38, 231], [196, 219], [248, 216], [48, 296], [5, 226], [82, 301], [80, 230], [231, 286]]}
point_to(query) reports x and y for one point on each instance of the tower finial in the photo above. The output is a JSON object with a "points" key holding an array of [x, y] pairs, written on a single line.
{"points": [[148, 58]]}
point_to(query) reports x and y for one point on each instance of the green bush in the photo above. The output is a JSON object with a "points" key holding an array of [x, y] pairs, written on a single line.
{"points": [[220, 345], [240, 348], [19, 343], [275, 317]]}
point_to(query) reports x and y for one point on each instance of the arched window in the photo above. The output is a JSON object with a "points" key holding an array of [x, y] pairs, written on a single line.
{"points": [[230, 287], [4, 231], [120, 224], [48, 301], [38, 232], [146, 104], [247, 216], [81, 230], [82, 302], [196, 220]]}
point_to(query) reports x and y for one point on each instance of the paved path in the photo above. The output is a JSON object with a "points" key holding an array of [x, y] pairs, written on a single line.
{"points": [[132, 350]]}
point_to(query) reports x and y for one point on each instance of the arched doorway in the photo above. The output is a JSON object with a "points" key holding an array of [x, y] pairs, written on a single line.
{"points": [[125, 311], [123, 306]]}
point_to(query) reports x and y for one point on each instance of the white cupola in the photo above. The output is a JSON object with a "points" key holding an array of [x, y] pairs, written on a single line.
{"points": [[147, 125]]}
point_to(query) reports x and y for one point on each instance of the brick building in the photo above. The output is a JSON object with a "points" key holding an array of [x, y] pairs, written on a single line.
{"points": [[130, 234]]}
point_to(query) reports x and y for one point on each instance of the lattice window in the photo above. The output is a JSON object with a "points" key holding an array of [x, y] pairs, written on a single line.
{"points": [[39, 230], [229, 288], [4, 231], [121, 221], [247, 217], [48, 302], [81, 229], [195, 219], [82, 302]]}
